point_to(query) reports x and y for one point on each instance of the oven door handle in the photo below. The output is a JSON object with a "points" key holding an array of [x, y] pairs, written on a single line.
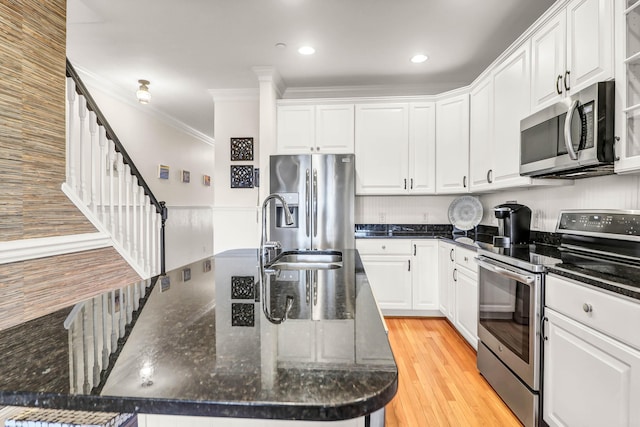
{"points": [[507, 273]]}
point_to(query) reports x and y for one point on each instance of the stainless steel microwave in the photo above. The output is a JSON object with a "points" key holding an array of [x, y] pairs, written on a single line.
{"points": [[573, 138]]}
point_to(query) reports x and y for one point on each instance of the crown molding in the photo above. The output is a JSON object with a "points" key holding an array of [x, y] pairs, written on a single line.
{"points": [[121, 95], [371, 91]]}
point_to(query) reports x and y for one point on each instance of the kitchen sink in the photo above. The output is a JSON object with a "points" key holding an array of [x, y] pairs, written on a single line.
{"points": [[307, 260]]}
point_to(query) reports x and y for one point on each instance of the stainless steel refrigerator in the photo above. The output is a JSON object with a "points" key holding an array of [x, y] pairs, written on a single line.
{"points": [[320, 192]]}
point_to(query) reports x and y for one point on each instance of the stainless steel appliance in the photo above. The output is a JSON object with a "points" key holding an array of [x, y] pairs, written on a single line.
{"points": [[573, 138], [514, 222], [320, 191], [510, 290]]}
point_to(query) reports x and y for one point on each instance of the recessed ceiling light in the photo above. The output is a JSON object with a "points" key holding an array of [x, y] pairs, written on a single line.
{"points": [[417, 59], [306, 50]]}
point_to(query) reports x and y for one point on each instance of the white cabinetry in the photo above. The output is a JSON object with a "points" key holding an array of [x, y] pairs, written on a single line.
{"points": [[481, 146], [304, 341], [452, 144], [572, 50], [395, 148], [446, 283], [628, 85], [403, 274], [304, 129], [591, 357], [459, 289]]}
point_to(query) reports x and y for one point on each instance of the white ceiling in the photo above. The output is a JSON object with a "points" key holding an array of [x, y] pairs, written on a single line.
{"points": [[187, 48]]}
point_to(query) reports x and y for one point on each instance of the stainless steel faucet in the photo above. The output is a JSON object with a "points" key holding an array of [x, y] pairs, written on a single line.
{"points": [[266, 246]]}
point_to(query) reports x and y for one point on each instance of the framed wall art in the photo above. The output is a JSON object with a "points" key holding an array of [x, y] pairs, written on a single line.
{"points": [[163, 171], [186, 176], [242, 176], [241, 149], [206, 180]]}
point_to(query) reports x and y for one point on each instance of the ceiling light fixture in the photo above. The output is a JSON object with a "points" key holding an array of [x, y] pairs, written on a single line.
{"points": [[143, 94], [306, 50], [417, 59]]}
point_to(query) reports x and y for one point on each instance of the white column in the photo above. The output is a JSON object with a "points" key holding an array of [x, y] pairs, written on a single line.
{"points": [[71, 99], [82, 113], [95, 164]]}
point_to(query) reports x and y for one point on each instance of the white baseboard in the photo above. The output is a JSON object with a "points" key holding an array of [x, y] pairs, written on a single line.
{"points": [[27, 249]]}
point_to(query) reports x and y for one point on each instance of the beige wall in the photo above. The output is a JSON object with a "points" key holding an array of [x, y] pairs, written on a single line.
{"points": [[32, 168]]}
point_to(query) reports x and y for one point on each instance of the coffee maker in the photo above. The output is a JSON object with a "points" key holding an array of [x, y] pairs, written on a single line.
{"points": [[514, 221]]}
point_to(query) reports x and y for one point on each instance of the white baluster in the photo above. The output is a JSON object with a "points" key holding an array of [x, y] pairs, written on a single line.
{"points": [[102, 137], [147, 232], [112, 158], [114, 325], [123, 313], [134, 216], [120, 164], [127, 206], [86, 387], [129, 305], [142, 227], [71, 168], [82, 113], [136, 296], [73, 359], [96, 353], [105, 327], [93, 127]]}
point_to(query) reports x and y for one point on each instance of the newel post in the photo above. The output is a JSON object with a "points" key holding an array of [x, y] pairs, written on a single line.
{"points": [[164, 214]]}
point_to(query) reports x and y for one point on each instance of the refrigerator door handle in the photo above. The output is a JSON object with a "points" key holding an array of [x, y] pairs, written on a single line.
{"points": [[315, 203], [307, 200]]}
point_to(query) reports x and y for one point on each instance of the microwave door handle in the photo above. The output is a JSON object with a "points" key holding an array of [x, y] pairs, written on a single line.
{"points": [[568, 142], [507, 273]]}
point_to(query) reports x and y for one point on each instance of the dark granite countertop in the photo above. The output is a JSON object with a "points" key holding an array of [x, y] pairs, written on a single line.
{"points": [[203, 345]]}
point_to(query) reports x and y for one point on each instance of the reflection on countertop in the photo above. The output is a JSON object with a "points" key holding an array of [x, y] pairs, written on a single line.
{"points": [[199, 344]]}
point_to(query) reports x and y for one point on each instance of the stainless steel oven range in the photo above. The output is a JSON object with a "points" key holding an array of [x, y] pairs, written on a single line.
{"points": [[510, 291]]}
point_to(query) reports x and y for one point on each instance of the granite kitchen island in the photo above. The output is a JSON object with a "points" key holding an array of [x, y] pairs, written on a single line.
{"points": [[211, 343]]}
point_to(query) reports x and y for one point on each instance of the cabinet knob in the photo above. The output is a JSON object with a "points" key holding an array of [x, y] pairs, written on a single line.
{"points": [[311, 148], [588, 308], [466, 259], [384, 247], [317, 148]]}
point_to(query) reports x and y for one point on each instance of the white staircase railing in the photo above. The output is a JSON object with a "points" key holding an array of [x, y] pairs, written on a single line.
{"points": [[97, 329], [105, 185]]}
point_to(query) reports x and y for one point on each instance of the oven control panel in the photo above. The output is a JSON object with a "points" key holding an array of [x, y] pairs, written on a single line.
{"points": [[610, 224]]}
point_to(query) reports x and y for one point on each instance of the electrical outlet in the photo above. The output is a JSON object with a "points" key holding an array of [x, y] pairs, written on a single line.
{"points": [[382, 218]]}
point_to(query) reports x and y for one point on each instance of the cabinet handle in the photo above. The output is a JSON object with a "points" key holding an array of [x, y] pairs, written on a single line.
{"points": [[405, 183], [455, 274], [414, 250], [544, 336], [490, 176], [409, 263], [566, 76], [412, 183], [464, 181], [558, 83], [451, 255], [588, 308]]}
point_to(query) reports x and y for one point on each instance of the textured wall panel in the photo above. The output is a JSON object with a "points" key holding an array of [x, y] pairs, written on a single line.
{"points": [[32, 119], [30, 289]]}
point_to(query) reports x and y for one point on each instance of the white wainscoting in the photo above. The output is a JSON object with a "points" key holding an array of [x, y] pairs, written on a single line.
{"points": [[188, 235], [235, 228]]}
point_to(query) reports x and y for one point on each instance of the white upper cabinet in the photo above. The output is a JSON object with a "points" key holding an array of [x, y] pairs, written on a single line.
{"points": [[481, 147], [422, 148], [308, 129], [382, 144], [571, 51], [627, 85], [395, 148], [511, 103], [452, 145]]}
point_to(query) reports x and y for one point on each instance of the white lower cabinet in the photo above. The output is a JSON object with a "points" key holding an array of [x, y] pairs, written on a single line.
{"points": [[304, 341], [458, 284], [149, 420], [591, 357], [403, 274]]}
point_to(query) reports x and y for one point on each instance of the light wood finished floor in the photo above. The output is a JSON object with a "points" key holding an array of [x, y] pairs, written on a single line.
{"points": [[439, 384]]}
